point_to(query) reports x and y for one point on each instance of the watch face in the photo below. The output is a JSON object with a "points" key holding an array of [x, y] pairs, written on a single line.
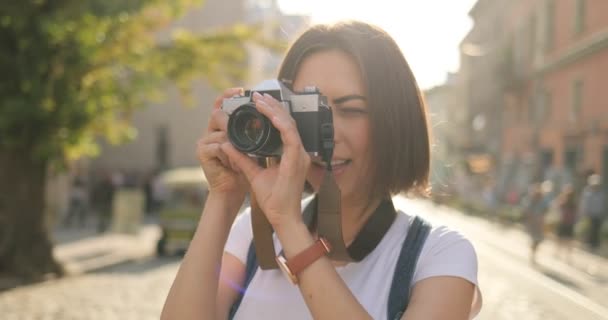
{"points": [[283, 266]]}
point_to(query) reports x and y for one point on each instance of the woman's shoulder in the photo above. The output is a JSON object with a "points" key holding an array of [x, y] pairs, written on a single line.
{"points": [[446, 252]]}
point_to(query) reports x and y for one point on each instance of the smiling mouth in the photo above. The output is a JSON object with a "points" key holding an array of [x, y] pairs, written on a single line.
{"points": [[334, 163]]}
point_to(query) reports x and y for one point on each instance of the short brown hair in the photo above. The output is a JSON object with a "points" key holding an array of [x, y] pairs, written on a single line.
{"points": [[400, 134]]}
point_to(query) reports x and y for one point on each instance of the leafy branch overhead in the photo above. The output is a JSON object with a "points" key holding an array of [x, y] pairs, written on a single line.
{"points": [[76, 69]]}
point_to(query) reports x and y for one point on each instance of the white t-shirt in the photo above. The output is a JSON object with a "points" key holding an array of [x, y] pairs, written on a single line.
{"points": [[271, 296]]}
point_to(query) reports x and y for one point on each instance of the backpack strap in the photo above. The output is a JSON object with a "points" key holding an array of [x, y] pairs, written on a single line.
{"points": [[250, 268], [399, 295]]}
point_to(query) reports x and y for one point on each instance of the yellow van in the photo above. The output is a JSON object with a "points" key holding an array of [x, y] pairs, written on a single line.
{"points": [[186, 191]]}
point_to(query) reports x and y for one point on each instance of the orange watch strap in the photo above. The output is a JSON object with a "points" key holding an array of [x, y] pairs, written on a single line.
{"points": [[305, 258]]}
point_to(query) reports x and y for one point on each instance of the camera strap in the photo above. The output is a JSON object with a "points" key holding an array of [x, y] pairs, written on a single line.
{"points": [[329, 217], [329, 207], [262, 229], [328, 224]]}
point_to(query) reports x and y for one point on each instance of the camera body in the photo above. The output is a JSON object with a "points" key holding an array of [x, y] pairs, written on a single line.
{"points": [[252, 132]]}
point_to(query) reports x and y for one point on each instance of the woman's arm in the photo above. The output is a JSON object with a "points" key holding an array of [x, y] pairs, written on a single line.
{"points": [[194, 293], [445, 298]]}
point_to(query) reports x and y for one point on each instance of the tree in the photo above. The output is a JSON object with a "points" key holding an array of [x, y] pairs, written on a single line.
{"points": [[74, 70]]}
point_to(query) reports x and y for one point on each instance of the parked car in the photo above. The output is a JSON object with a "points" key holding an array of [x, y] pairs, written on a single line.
{"points": [[187, 191]]}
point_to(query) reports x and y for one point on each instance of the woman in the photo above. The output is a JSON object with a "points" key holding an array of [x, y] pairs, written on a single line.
{"points": [[566, 202], [535, 207], [381, 148]]}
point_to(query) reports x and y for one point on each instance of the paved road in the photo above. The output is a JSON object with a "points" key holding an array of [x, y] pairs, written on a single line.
{"points": [[511, 288]]}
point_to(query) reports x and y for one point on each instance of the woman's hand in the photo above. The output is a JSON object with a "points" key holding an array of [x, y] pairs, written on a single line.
{"points": [[222, 176], [278, 190]]}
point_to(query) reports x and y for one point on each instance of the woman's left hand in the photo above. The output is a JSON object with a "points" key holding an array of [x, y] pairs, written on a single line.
{"points": [[278, 189]]}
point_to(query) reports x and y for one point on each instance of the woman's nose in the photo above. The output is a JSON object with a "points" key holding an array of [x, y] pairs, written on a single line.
{"points": [[338, 129]]}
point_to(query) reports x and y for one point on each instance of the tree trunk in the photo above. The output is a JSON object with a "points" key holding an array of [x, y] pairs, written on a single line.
{"points": [[26, 252]]}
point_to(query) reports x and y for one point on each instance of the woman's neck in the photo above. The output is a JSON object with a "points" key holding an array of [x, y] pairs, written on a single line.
{"points": [[354, 216]]}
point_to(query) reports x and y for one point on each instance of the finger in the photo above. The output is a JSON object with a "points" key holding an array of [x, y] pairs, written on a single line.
{"points": [[285, 124], [279, 117], [219, 137], [213, 151], [247, 165], [273, 104], [214, 137], [218, 121], [228, 93]]}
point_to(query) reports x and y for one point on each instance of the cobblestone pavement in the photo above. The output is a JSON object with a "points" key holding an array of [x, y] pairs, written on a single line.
{"points": [[132, 291], [511, 288]]}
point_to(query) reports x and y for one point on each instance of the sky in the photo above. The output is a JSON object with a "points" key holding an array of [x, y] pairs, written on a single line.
{"points": [[428, 31]]}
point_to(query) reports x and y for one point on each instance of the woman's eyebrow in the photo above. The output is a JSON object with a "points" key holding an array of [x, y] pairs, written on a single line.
{"points": [[348, 98]]}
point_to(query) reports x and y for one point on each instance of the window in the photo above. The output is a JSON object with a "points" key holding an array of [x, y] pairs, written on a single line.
{"points": [[531, 109], [577, 100], [532, 40], [571, 157], [546, 101], [579, 16], [549, 25], [546, 158], [540, 107]]}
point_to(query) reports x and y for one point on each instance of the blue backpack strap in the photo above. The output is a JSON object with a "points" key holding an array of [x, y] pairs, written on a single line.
{"points": [[250, 268], [399, 295]]}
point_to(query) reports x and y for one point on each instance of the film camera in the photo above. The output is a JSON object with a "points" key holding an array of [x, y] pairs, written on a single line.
{"points": [[252, 132]]}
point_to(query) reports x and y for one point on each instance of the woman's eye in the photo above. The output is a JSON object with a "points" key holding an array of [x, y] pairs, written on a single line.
{"points": [[353, 110]]}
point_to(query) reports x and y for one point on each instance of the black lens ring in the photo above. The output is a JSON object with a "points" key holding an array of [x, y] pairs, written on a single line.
{"points": [[234, 133]]}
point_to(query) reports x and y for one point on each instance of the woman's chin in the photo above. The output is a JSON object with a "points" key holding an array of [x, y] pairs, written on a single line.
{"points": [[317, 172]]}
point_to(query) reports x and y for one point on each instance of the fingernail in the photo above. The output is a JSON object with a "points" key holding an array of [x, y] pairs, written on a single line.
{"points": [[268, 97], [257, 95]]}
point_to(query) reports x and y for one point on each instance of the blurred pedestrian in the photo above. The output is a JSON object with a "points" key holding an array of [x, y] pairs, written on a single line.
{"points": [[103, 196], [490, 199], [593, 207], [566, 205], [534, 209], [78, 204], [160, 192]]}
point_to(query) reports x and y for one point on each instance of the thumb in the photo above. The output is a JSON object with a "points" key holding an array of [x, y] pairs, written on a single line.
{"points": [[247, 165]]}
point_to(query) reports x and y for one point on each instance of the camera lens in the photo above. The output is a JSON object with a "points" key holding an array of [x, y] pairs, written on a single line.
{"points": [[253, 129], [251, 132]]}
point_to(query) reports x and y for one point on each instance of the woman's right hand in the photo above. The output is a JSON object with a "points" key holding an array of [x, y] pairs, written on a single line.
{"points": [[222, 176]]}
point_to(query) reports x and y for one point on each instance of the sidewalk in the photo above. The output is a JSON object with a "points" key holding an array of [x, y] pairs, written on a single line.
{"points": [[83, 250]]}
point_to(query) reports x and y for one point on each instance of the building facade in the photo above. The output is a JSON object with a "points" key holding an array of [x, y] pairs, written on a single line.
{"points": [[556, 109], [532, 82]]}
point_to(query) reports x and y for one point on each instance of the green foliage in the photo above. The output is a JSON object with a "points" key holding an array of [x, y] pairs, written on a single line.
{"points": [[73, 70]]}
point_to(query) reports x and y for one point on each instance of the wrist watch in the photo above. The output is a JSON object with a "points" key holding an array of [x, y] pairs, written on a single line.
{"points": [[302, 260]]}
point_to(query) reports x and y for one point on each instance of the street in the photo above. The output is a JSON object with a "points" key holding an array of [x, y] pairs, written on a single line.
{"points": [[512, 289]]}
